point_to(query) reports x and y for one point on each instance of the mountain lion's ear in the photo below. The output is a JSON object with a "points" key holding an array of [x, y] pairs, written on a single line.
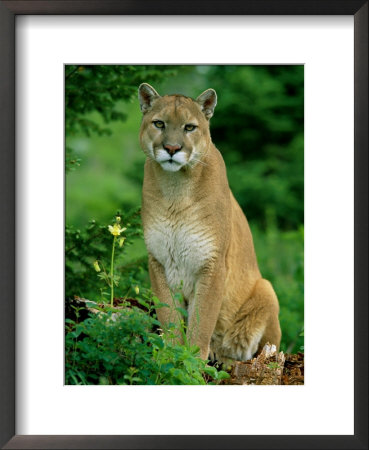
{"points": [[146, 96], [207, 100]]}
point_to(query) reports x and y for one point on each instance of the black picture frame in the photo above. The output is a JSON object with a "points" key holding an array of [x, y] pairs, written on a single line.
{"points": [[8, 12]]}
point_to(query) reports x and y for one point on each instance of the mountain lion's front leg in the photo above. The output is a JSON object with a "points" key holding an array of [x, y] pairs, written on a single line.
{"points": [[205, 306], [160, 288]]}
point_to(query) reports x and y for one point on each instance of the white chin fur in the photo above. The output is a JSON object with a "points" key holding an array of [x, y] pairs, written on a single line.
{"points": [[171, 167]]}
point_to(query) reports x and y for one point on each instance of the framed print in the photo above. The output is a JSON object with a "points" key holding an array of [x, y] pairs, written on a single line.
{"points": [[47, 51], [275, 232]]}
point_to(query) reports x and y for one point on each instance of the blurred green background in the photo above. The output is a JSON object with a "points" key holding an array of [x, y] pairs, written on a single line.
{"points": [[257, 126]]}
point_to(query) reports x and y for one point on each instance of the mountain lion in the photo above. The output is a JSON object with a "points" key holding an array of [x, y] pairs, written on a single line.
{"points": [[196, 234]]}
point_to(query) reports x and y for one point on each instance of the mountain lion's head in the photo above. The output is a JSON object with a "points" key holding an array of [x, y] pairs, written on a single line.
{"points": [[175, 129]]}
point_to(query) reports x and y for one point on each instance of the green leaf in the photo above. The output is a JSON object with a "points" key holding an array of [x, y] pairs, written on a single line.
{"points": [[222, 375], [70, 321], [212, 371], [143, 303]]}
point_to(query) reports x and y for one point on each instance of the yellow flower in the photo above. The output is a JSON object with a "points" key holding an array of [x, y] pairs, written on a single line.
{"points": [[115, 229], [137, 289], [96, 266]]}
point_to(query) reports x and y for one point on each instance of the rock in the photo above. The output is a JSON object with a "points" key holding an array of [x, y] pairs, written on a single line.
{"points": [[265, 369]]}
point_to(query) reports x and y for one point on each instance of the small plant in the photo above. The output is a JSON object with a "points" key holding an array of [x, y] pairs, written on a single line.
{"points": [[93, 242], [110, 278], [273, 365]]}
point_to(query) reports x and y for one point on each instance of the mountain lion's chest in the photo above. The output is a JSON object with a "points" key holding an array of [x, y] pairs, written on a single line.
{"points": [[182, 247]]}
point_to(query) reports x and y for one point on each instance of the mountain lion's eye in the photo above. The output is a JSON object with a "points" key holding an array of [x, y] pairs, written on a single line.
{"points": [[189, 127], [158, 123]]}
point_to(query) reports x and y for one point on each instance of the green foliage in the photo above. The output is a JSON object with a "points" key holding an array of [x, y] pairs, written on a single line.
{"points": [[281, 261], [302, 334], [83, 246], [122, 348], [99, 88], [258, 126]]}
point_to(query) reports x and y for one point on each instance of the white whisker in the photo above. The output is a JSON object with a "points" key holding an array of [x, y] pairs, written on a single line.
{"points": [[198, 161]]}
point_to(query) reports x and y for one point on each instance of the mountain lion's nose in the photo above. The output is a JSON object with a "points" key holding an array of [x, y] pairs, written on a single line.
{"points": [[171, 149]]}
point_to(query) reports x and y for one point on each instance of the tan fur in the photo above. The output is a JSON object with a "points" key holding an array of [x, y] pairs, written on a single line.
{"points": [[196, 234]]}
